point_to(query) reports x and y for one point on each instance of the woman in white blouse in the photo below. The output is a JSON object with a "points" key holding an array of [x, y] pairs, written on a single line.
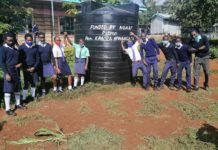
{"points": [[62, 67]]}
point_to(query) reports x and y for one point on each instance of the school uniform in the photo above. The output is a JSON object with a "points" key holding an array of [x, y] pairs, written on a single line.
{"points": [[151, 50], [46, 69], [58, 53], [30, 58], [170, 63], [185, 59], [9, 58], [137, 62], [201, 59], [81, 54]]}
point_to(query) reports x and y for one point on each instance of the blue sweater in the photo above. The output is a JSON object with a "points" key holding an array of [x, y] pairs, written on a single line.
{"points": [[9, 58], [169, 52], [184, 54], [45, 53], [30, 56], [151, 49]]}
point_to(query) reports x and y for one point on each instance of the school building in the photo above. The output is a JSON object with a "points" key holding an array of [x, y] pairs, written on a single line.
{"points": [[42, 17]]}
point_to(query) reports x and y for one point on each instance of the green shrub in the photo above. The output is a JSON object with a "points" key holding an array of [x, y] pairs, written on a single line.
{"points": [[214, 52]]}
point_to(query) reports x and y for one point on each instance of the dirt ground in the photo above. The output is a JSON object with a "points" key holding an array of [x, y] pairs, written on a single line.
{"points": [[122, 117]]}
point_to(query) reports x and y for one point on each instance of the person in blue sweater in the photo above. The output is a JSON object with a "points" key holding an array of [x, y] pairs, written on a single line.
{"points": [[185, 62], [30, 60], [171, 62], [10, 63], [46, 66], [150, 54]]}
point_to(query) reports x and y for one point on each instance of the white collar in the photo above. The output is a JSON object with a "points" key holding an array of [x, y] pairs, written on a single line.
{"points": [[168, 44], [29, 46], [6, 45], [179, 46], [146, 40], [43, 45]]}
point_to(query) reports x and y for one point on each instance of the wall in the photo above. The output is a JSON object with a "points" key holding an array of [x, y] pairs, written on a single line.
{"points": [[156, 25]]}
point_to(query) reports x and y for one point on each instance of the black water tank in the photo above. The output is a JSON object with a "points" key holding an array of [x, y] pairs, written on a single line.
{"points": [[103, 27]]}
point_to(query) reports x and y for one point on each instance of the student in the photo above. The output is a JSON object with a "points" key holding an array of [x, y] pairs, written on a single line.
{"points": [[10, 63], [46, 67], [81, 60], [171, 62], [137, 62], [30, 59], [200, 46], [151, 56], [185, 62], [62, 67]]}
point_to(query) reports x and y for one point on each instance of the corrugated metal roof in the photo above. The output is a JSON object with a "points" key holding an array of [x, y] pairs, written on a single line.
{"points": [[164, 16]]}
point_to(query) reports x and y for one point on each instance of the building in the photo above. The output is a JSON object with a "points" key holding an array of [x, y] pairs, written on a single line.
{"points": [[42, 17], [164, 24]]}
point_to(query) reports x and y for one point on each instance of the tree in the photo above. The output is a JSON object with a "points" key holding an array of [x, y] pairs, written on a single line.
{"points": [[13, 15], [198, 13]]}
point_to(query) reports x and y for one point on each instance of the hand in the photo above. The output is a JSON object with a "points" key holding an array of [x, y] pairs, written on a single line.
{"points": [[31, 69], [8, 77], [177, 65], [190, 64], [58, 71], [158, 58], [65, 34], [122, 41], [131, 34], [18, 65], [86, 68]]}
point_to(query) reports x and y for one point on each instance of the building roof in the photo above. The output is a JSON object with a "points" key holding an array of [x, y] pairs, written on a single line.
{"points": [[164, 16], [215, 25]]}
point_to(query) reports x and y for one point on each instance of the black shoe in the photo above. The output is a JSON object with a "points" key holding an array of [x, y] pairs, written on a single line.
{"points": [[11, 113], [155, 88], [196, 88], [133, 84], [43, 94], [188, 90], [179, 88], [171, 87], [20, 107], [74, 88], [146, 88]]}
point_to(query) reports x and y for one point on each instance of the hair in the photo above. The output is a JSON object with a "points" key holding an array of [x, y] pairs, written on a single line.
{"points": [[195, 30], [166, 36], [8, 35], [56, 37], [28, 35], [41, 33]]}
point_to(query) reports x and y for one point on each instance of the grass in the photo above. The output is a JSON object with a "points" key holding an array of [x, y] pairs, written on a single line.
{"points": [[84, 108], [190, 141], [151, 105], [25, 119], [112, 106], [86, 90], [93, 138], [197, 112]]}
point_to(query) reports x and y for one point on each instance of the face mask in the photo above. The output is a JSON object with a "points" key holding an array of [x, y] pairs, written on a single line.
{"points": [[165, 42], [178, 44], [82, 45], [130, 44], [58, 43], [197, 38], [29, 43], [41, 42]]}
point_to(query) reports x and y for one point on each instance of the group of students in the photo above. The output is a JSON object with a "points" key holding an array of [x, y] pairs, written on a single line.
{"points": [[144, 54], [38, 61]]}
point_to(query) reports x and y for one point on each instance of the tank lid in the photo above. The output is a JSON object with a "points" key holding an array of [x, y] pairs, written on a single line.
{"points": [[111, 10]]}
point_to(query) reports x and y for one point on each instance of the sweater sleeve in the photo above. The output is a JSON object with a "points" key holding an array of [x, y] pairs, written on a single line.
{"points": [[3, 60], [156, 46]]}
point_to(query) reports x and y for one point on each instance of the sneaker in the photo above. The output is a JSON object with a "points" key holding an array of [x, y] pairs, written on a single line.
{"points": [[146, 88], [161, 87], [133, 84], [20, 107], [179, 88], [11, 113], [60, 91], [206, 88], [188, 90], [171, 87], [43, 94], [196, 88]]}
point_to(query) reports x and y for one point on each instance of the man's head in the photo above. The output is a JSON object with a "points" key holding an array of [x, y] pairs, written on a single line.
{"points": [[194, 33], [41, 36], [143, 36], [178, 42], [29, 39], [9, 39], [165, 40]]}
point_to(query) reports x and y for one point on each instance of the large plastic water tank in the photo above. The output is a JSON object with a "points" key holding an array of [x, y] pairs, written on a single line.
{"points": [[103, 27]]}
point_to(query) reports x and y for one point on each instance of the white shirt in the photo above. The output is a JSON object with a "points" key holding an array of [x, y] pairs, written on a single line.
{"points": [[136, 51], [58, 51]]}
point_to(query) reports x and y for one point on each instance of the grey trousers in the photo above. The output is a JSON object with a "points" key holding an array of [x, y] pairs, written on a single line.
{"points": [[204, 62]]}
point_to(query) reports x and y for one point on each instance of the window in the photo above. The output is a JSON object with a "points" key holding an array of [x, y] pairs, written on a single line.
{"points": [[66, 24]]}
